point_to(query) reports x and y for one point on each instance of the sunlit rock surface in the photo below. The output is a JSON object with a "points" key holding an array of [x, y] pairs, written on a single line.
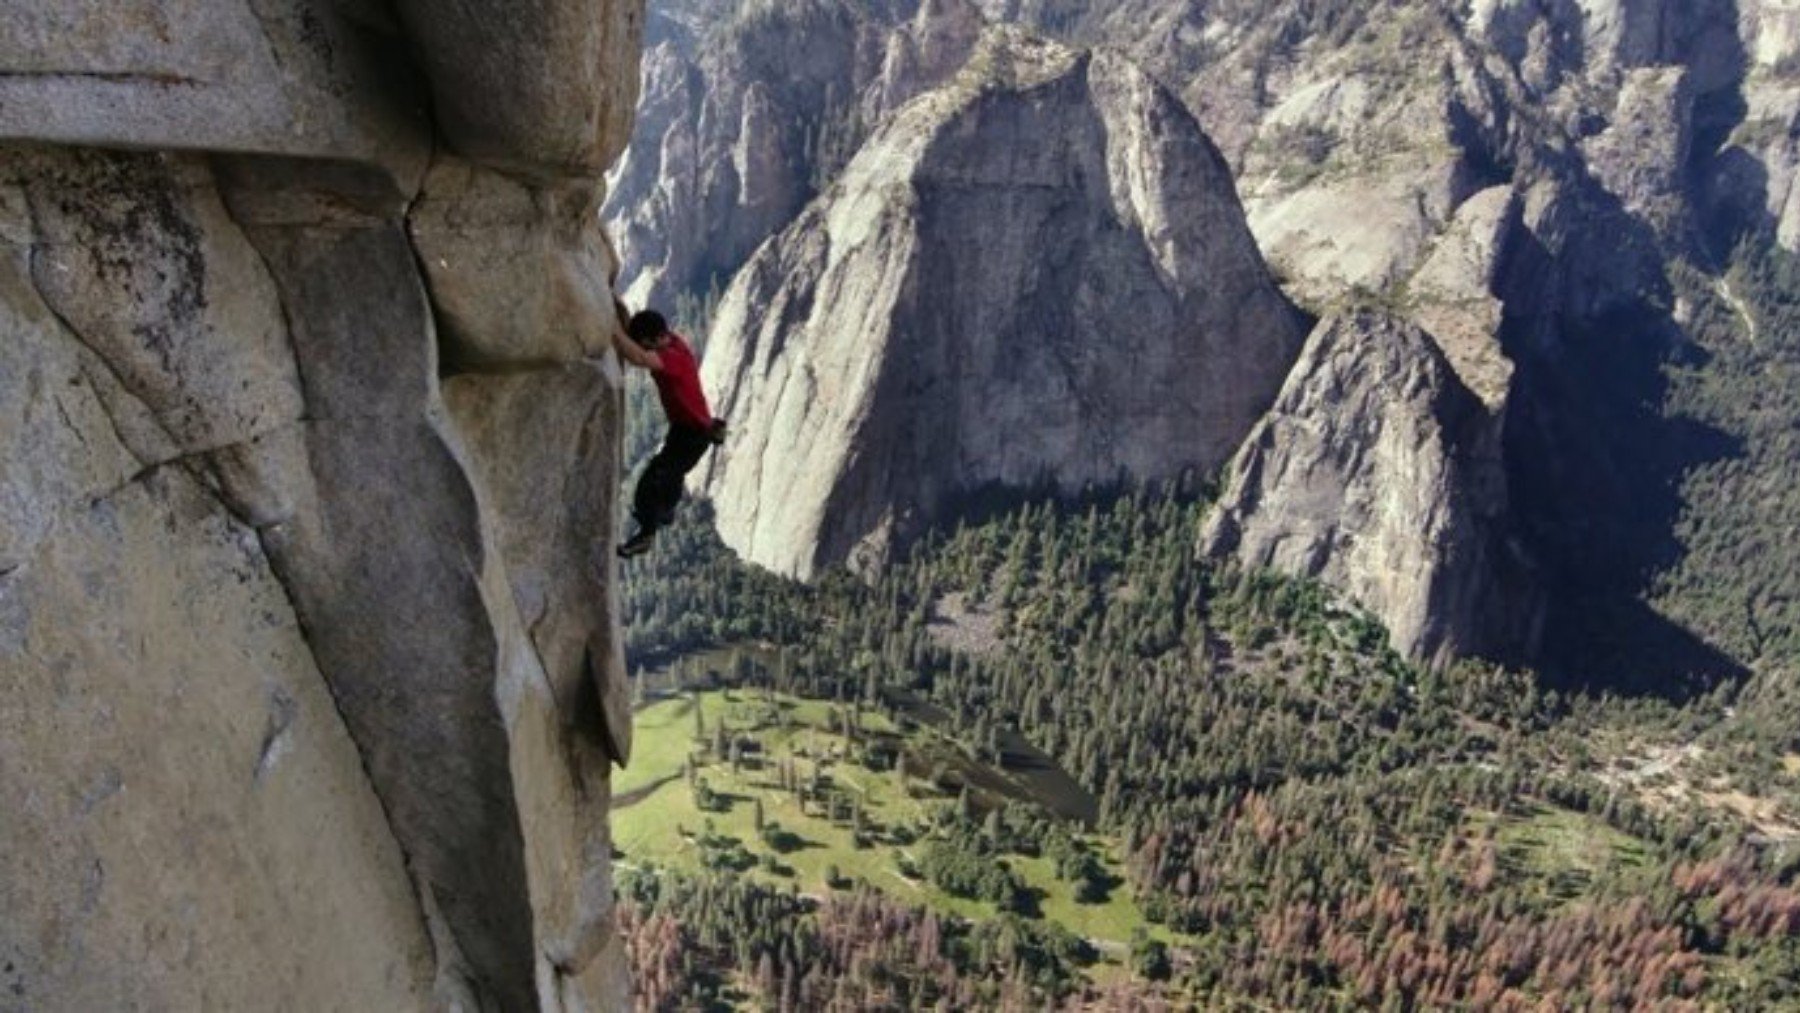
{"points": [[1039, 273], [313, 677]]}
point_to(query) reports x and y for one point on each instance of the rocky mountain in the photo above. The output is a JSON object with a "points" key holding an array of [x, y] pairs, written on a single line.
{"points": [[1569, 198], [739, 126], [1587, 173], [1037, 273], [312, 682], [1378, 471], [1405, 107]]}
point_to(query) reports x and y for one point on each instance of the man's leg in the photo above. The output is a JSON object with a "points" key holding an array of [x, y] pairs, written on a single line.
{"points": [[686, 448], [659, 488], [652, 500]]}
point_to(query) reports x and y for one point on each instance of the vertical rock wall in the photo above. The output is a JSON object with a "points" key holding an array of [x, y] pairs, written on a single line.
{"points": [[1037, 274], [312, 677], [739, 128], [1378, 471]]}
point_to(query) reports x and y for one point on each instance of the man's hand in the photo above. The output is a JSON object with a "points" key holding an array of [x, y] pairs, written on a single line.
{"points": [[634, 353], [716, 432]]}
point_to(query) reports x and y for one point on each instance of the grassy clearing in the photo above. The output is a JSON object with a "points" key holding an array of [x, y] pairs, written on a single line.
{"points": [[659, 744], [1109, 922], [1561, 851], [658, 819]]}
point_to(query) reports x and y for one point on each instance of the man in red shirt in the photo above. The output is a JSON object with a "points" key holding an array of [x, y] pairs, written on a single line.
{"points": [[648, 342]]}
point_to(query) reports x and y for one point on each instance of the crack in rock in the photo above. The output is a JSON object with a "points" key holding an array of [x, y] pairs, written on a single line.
{"points": [[277, 738]]}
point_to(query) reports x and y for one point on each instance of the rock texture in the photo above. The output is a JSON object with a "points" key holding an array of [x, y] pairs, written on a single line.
{"points": [[1378, 471], [542, 88], [739, 128], [1358, 129], [1454, 291], [1754, 182], [511, 266], [1039, 273], [286, 77], [1522, 178], [168, 748], [314, 681]]}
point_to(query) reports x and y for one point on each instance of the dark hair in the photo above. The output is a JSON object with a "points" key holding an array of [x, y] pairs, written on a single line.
{"points": [[646, 326]]}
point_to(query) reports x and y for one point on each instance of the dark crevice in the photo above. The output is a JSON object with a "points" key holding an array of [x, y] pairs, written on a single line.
{"points": [[185, 460], [109, 77], [1595, 459], [62, 411], [436, 150], [90, 353]]}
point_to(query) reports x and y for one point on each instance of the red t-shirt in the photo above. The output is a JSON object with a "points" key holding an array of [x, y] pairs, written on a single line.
{"points": [[678, 384]]}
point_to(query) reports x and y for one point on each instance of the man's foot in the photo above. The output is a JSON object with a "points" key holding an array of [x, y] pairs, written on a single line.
{"points": [[638, 544]]}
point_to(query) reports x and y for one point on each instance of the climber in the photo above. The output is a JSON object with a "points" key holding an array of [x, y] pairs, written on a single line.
{"points": [[645, 340]]}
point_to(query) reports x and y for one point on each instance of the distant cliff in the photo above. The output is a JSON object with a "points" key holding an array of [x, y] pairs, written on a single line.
{"points": [[742, 122], [1378, 471], [1037, 273], [313, 679], [1332, 112], [1565, 197], [1551, 190]]}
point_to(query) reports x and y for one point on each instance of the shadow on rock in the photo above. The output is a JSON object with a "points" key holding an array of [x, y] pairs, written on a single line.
{"points": [[1594, 459]]}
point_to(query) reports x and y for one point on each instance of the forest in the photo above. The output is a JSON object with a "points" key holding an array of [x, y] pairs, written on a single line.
{"points": [[1279, 809], [1306, 819]]}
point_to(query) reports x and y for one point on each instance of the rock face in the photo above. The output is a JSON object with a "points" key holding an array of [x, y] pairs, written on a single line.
{"points": [[1755, 179], [1520, 178], [1357, 130], [1037, 273], [1378, 471], [739, 128], [1454, 291], [1354, 130], [313, 681], [1523, 179]]}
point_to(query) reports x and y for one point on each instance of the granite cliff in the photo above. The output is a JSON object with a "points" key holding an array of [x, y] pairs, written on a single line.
{"points": [[312, 681], [1357, 129], [1553, 193], [1036, 273], [1547, 189], [740, 127], [1378, 472]]}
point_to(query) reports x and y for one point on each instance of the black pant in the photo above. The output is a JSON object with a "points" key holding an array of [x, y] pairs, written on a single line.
{"points": [[659, 488]]}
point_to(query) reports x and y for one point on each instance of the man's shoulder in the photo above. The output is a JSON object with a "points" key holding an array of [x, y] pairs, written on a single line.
{"points": [[681, 348]]}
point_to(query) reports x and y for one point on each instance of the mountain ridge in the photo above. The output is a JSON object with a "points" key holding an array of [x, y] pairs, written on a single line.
{"points": [[1523, 192], [869, 332]]}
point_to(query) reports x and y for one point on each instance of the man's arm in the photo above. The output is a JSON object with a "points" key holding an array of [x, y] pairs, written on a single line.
{"points": [[635, 353]]}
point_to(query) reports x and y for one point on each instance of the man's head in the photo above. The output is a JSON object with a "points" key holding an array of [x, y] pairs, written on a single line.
{"points": [[648, 328]]}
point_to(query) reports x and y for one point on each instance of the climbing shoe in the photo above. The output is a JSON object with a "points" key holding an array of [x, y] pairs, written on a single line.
{"points": [[638, 544]]}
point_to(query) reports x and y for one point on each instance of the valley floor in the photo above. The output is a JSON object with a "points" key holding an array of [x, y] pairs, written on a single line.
{"points": [[1055, 760]]}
